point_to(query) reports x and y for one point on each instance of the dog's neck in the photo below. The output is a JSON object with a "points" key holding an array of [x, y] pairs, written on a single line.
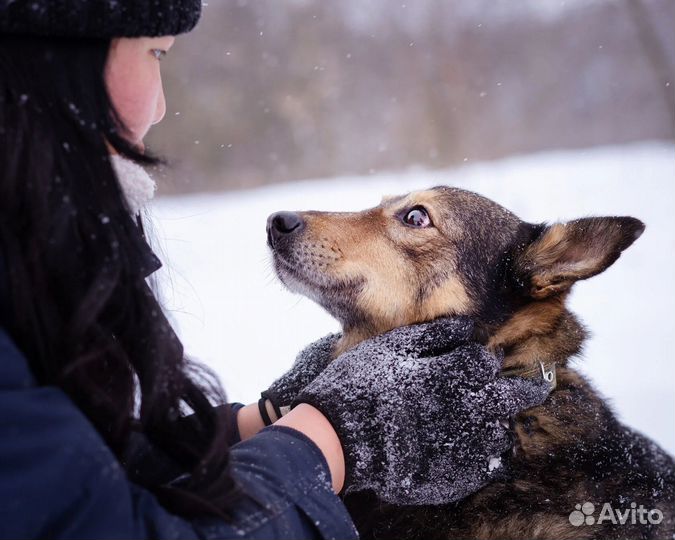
{"points": [[543, 332], [540, 332]]}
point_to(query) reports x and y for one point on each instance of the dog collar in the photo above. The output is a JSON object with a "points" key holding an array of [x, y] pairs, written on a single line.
{"points": [[546, 371]]}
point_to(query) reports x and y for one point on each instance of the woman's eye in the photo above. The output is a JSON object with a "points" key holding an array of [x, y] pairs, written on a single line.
{"points": [[159, 53], [417, 217]]}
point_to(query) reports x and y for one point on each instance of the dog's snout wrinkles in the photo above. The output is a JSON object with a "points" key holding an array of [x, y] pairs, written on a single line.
{"points": [[281, 224]]}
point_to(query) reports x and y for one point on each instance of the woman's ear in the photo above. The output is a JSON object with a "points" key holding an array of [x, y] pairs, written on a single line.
{"points": [[567, 252]]}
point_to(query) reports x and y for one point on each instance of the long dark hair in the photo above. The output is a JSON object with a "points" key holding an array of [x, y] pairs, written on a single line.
{"points": [[77, 261]]}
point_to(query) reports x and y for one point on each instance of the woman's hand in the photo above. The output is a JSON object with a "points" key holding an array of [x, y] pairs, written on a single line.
{"points": [[418, 425], [277, 399], [311, 361]]}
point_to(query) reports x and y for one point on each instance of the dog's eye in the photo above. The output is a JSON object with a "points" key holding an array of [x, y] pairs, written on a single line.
{"points": [[417, 217]]}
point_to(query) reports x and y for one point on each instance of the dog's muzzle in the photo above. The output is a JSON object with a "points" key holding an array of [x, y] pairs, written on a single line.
{"points": [[281, 225]]}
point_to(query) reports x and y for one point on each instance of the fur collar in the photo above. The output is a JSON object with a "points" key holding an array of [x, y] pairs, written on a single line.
{"points": [[137, 185]]}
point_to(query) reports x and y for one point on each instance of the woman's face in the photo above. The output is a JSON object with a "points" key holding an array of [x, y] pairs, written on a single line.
{"points": [[134, 82]]}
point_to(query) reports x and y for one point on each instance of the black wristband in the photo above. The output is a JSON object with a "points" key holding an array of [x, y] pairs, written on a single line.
{"points": [[276, 408], [263, 412]]}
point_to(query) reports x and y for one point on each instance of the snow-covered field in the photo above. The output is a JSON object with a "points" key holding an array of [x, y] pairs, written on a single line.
{"points": [[233, 314]]}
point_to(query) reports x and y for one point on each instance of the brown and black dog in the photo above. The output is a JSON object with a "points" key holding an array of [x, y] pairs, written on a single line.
{"points": [[447, 251]]}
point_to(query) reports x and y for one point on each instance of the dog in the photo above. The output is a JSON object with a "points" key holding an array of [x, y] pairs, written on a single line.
{"points": [[447, 251]]}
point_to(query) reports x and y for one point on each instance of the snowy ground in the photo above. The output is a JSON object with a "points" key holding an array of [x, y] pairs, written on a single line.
{"points": [[233, 314]]}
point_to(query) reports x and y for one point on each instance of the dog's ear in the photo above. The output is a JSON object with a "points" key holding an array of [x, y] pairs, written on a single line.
{"points": [[567, 252]]}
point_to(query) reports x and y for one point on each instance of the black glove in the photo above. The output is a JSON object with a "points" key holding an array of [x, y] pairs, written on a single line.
{"points": [[416, 426], [311, 361]]}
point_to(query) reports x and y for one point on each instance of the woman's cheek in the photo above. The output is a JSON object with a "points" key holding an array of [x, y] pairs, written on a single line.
{"points": [[135, 94], [134, 116], [141, 110]]}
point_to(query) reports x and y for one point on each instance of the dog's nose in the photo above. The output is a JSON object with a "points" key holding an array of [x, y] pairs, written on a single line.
{"points": [[281, 224]]}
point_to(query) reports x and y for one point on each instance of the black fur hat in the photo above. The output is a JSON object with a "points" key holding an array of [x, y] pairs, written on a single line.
{"points": [[98, 18]]}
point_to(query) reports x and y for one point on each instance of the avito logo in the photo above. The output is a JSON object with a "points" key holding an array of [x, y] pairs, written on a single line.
{"points": [[584, 514]]}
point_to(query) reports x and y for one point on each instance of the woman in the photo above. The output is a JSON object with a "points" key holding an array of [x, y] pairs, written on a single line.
{"points": [[106, 429]]}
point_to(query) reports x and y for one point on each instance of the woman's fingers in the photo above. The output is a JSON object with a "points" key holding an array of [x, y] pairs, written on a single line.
{"points": [[507, 396], [502, 441], [473, 362], [426, 339], [443, 335], [321, 348]]}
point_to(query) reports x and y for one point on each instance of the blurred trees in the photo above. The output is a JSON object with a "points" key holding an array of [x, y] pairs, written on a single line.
{"points": [[265, 91]]}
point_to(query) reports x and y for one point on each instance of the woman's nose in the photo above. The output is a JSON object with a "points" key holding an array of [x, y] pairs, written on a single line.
{"points": [[160, 111]]}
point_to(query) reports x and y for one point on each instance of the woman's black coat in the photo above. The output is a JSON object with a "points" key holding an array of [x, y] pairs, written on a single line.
{"points": [[58, 479]]}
